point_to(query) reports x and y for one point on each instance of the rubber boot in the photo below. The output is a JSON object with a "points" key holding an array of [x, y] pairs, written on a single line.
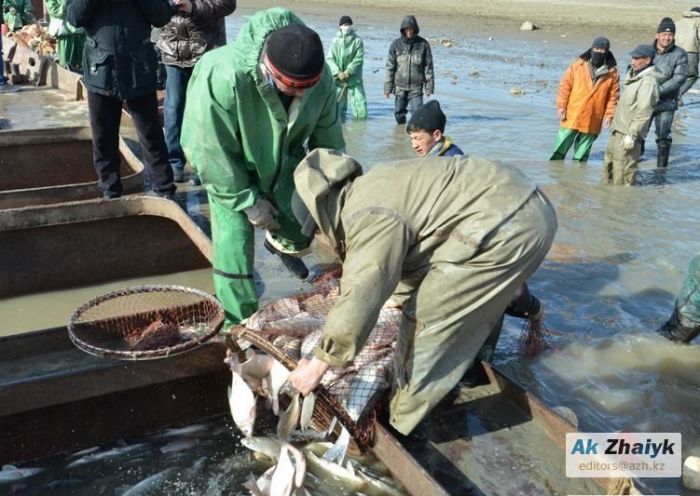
{"points": [[674, 330], [294, 265], [664, 150]]}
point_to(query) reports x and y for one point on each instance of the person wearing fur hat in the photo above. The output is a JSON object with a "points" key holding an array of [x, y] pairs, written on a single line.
{"points": [[426, 129], [671, 62], [688, 38], [586, 100], [252, 108], [345, 58]]}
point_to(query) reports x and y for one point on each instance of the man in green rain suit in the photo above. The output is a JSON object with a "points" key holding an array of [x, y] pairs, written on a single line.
{"points": [[17, 13], [457, 235], [70, 40], [345, 59], [251, 107]]}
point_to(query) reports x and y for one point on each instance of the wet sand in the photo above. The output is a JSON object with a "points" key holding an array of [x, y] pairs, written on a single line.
{"points": [[578, 18]]}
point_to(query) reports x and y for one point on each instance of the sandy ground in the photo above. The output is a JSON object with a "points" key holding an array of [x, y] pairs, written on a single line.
{"points": [[581, 18]]}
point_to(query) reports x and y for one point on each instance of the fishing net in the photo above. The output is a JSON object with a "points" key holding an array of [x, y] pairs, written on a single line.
{"points": [[535, 337], [290, 328], [145, 322]]}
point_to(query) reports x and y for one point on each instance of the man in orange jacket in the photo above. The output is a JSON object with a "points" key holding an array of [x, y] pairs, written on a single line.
{"points": [[586, 100]]}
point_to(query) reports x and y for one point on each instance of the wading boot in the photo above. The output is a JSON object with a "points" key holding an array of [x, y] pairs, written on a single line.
{"points": [[664, 150], [294, 265], [674, 330]]}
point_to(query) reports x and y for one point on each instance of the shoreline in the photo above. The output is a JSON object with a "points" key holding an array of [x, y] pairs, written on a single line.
{"points": [[620, 19]]}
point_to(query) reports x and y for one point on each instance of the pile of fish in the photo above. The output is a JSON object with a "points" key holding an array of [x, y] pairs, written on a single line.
{"points": [[294, 325]]}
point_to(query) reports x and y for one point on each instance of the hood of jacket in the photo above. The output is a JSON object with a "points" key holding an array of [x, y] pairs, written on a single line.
{"points": [[610, 60], [251, 38], [321, 181], [409, 22]]}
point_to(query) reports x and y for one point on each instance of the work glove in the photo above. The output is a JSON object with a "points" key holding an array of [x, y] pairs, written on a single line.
{"points": [[13, 11], [628, 142], [262, 214], [342, 76]]}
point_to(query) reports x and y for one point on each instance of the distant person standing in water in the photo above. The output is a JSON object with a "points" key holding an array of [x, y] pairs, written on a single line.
{"points": [[345, 60], [409, 68], [630, 125], [586, 100], [688, 38], [671, 62]]}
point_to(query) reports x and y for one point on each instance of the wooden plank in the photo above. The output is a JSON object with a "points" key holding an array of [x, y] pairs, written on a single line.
{"points": [[405, 469]]}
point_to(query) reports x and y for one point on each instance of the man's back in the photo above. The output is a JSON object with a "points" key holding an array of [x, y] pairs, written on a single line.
{"points": [[688, 32]]}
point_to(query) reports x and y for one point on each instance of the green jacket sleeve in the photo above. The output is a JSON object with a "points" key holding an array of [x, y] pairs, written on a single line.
{"points": [[55, 8], [358, 57], [647, 98], [333, 55], [328, 132], [211, 138], [377, 246]]}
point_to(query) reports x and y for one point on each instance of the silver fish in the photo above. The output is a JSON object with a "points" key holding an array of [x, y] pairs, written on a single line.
{"points": [[267, 446], [337, 452], [327, 470], [241, 399], [307, 411], [289, 419], [283, 477], [299, 465], [276, 380], [149, 483], [96, 456], [11, 473], [183, 431], [179, 445]]}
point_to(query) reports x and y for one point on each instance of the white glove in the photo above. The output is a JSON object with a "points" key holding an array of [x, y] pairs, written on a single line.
{"points": [[262, 215], [628, 142]]}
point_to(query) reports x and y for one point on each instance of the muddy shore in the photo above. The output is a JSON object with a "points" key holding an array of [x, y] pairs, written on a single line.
{"points": [[624, 21]]}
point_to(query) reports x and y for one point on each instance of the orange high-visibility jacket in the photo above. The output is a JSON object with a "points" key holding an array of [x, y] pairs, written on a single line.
{"points": [[586, 104]]}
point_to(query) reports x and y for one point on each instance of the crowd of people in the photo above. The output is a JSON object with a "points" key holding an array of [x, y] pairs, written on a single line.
{"points": [[451, 239]]}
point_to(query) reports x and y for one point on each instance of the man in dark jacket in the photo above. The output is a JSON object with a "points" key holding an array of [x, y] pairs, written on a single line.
{"points": [[409, 67], [182, 41], [119, 64], [671, 62]]}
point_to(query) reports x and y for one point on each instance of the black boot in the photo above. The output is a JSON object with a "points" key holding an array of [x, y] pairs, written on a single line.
{"points": [[664, 150], [294, 265], [674, 330]]}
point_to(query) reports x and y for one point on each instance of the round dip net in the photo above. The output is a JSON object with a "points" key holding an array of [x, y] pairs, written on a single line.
{"points": [[290, 328], [145, 322]]}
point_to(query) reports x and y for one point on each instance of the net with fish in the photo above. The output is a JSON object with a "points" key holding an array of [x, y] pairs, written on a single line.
{"points": [[145, 322], [290, 328]]}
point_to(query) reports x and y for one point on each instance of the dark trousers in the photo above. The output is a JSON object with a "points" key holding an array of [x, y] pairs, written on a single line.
{"points": [[663, 120], [105, 117], [406, 99], [173, 110]]}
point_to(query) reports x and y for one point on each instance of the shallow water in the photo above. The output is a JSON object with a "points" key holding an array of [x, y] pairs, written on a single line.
{"points": [[620, 253]]}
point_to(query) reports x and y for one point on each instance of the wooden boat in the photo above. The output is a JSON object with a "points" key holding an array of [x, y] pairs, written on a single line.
{"points": [[42, 166]]}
